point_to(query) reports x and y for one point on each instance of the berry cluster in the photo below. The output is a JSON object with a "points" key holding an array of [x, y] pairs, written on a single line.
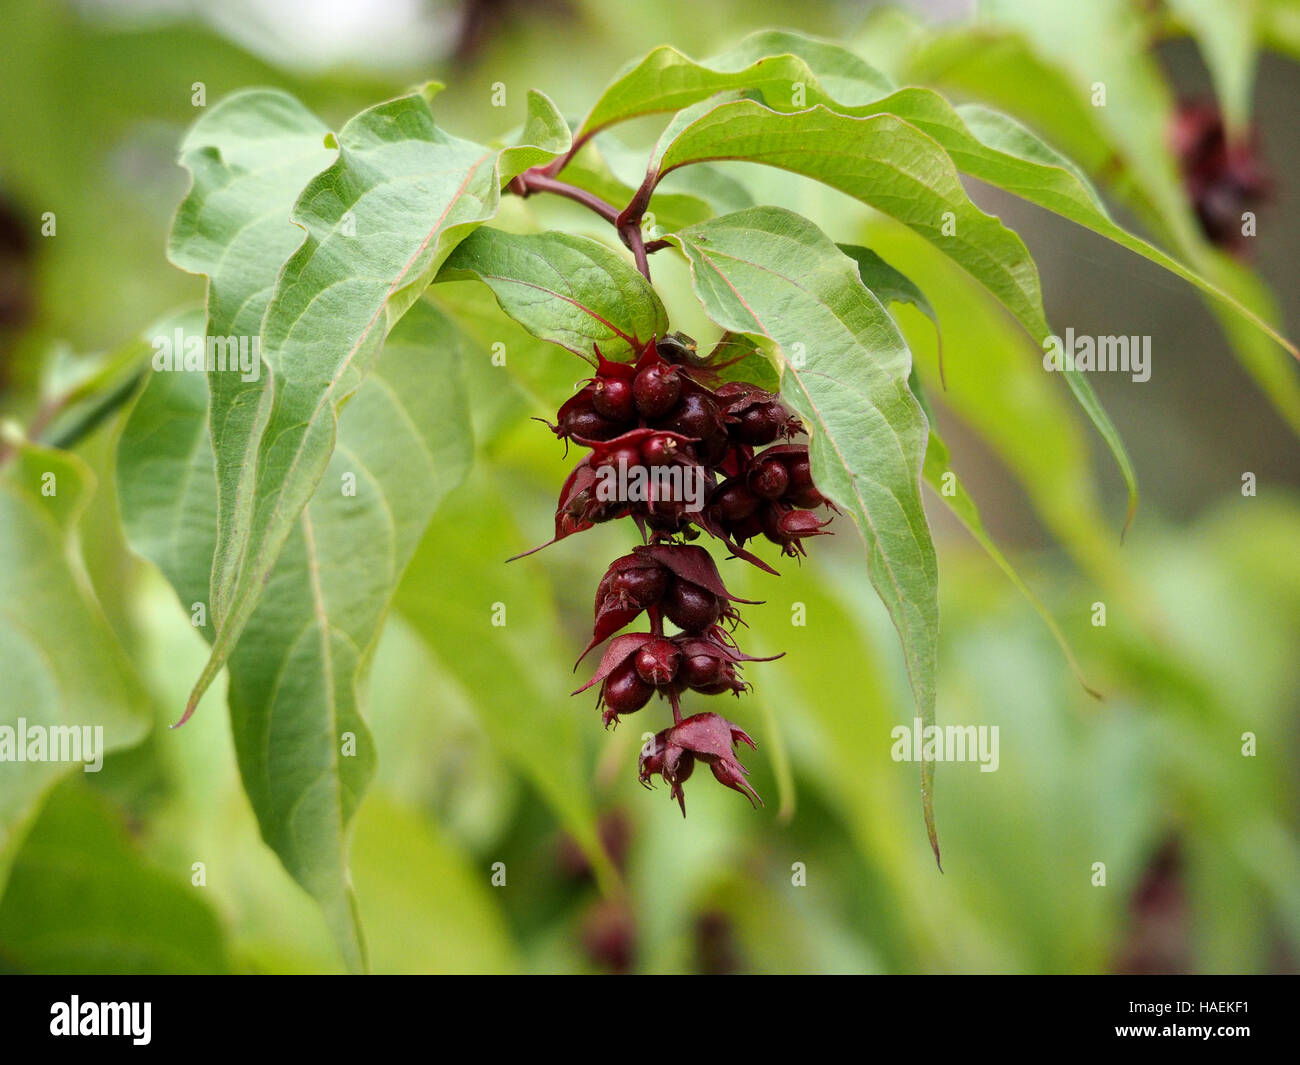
{"points": [[680, 457]]}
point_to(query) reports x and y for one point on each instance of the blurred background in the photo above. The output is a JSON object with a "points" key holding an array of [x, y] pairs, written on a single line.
{"points": [[1199, 842]]}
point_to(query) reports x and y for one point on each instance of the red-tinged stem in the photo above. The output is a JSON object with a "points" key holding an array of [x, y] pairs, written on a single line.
{"points": [[657, 627], [531, 181], [631, 234], [553, 168]]}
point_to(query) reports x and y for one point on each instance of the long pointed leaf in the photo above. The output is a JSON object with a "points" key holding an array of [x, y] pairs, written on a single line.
{"points": [[844, 367], [379, 221]]}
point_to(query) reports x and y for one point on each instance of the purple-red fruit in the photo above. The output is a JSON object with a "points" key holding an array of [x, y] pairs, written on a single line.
{"points": [[585, 424], [660, 450], [690, 607], [696, 416], [641, 587], [656, 662], [656, 390], [761, 424], [734, 502], [612, 399], [628, 455], [710, 738], [624, 692], [769, 479]]}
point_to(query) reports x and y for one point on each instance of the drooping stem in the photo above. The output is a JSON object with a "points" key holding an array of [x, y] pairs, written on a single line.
{"points": [[627, 222], [553, 168]]}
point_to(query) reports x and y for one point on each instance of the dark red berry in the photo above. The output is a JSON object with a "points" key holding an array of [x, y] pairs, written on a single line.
{"points": [[769, 479], [770, 516], [659, 450], [697, 416], [760, 424], [624, 692], [628, 455], [702, 670], [734, 502], [800, 470], [656, 390], [656, 662], [612, 399], [690, 607], [714, 447], [585, 424], [666, 515]]}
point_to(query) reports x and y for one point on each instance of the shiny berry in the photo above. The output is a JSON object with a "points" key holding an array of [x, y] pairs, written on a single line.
{"points": [[624, 692], [696, 415], [734, 502], [612, 399], [642, 587], [586, 424], [656, 662], [690, 607], [659, 450], [656, 390], [628, 455], [701, 671], [760, 424]]}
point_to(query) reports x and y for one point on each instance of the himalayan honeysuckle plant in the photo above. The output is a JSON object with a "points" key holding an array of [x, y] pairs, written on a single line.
{"points": [[283, 492]]}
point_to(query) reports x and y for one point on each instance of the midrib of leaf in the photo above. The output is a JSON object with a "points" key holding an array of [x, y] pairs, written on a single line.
{"points": [[1022, 296], [631, 341], [395, 286], [333, 777]]}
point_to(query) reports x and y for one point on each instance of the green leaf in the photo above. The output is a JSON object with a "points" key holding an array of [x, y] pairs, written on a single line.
{"points": [[295, 680], [963, 506], [82, 899], [426, 909], [60, 664], [997, 387], [844, 366], [1019, 80], [568, 289], [771, 62], [379, 221], [891, 286], [1105, 45]]}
